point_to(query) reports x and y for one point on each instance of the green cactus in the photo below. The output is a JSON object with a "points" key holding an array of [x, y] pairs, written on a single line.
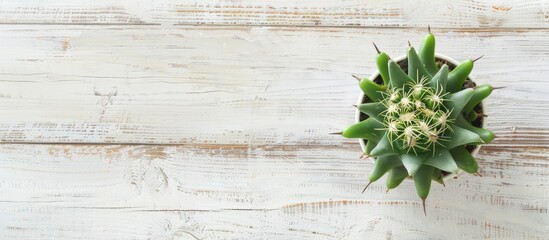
{"points": [[420, 122]]}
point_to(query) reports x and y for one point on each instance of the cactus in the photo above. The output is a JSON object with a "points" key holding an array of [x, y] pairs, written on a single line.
{"points": [[420, 121]]}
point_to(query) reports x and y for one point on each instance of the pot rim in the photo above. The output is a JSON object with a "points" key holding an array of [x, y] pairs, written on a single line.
{"points": [[398, 59]]}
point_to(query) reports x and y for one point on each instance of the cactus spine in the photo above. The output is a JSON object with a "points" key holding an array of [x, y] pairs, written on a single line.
{"points": [[420, 121]]}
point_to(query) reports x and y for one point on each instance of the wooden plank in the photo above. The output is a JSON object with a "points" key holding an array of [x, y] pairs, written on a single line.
{"points": [[236, 85], [307, 222], [220, 132], [235, 192], [351, 13]]}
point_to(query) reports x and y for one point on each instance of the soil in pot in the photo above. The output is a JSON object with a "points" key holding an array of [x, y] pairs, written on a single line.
{"points": [[468, 84]]}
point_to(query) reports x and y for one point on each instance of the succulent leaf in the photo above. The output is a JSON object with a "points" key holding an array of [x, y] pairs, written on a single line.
{"points": [[412, 162], [398, 77], [396, 176], [384, 147], [416, 69], [382, 65], [371, 89], [461, 136], [457, 101], [484, 134], [464, 159], [457, 77], [479, 93], [427, 54], [441, 159], [422, 180], [437, 176], [370, 145], [382, 165], [440, 79], [369, 129], [373, 109]]}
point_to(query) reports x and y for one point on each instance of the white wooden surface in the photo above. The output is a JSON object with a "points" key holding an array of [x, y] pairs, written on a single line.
{"points": [[209, 120]]}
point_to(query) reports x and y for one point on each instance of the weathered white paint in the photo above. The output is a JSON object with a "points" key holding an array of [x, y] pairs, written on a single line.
{"points": [[140, 131], [225, 85], [309, 192], [343, 13]]}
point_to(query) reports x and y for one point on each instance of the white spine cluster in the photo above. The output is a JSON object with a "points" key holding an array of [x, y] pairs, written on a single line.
{"points": [[416, 119]]}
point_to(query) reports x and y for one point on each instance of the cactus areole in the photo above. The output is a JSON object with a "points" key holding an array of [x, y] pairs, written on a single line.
{"points": [[420, 116]]}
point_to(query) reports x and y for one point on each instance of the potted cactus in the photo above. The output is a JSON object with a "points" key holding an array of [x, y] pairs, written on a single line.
{"points": [[420, 117]]}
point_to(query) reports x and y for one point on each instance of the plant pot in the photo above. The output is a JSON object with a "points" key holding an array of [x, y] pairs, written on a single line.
{"points": [[402, 61]]}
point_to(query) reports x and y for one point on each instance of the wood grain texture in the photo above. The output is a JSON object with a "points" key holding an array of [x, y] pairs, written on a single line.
{"points": [[221, 192], [234, 85], [348, 13], [209, 120]]}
